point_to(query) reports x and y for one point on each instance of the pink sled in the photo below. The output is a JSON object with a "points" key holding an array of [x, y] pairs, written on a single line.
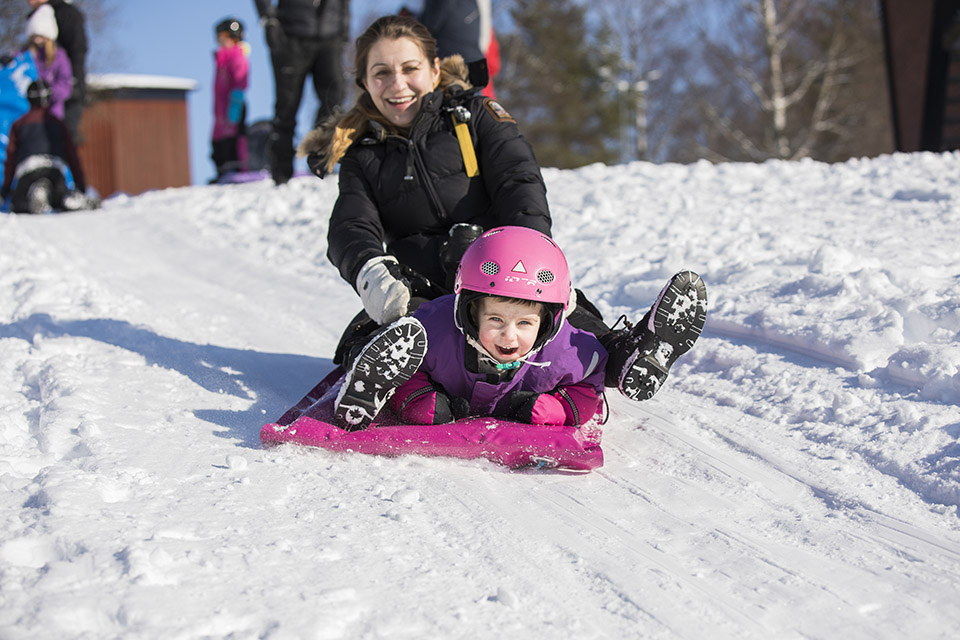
{"points": [[513, 444]]}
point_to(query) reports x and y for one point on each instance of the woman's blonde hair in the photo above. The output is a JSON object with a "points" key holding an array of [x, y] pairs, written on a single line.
{"points": [[49, 49], [331, 139]]}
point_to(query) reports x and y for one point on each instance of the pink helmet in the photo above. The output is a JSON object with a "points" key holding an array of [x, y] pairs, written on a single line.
{"points": [[513, 262]]}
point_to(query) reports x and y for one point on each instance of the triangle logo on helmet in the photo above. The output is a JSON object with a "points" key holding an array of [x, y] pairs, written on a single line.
{"points": [[519, 268]]}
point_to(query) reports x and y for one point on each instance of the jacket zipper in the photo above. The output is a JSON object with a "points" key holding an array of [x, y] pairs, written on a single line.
{"points": [[570, 403], [414, 395], [427, 183]]}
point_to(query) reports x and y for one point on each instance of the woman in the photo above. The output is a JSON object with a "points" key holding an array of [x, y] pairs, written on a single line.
{"points": [[53, 65], [403, 180], [427, 164]]}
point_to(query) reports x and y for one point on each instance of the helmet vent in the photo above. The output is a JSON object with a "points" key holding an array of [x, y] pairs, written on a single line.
{"points": [[490, 268], [545, 276]]}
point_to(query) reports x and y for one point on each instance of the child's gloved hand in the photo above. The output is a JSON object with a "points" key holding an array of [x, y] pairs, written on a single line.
{"points": [[536, 408], [235, 106]]}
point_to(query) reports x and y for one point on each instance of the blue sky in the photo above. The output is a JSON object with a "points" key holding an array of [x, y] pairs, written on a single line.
{"points": [[176, 38]]}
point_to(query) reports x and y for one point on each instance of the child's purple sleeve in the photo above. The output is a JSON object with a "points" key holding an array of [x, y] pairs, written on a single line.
{"points": [[62, 85]]}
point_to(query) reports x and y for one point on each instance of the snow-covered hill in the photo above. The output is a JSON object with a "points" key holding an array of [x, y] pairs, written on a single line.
{"points": [[799, 477]]}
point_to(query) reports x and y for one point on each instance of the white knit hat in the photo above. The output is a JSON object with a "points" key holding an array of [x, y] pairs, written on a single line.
{"points": [[43, 23]]}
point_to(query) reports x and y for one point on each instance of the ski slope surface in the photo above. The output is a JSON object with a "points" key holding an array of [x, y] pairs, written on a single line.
{"points": [[797, 477]]}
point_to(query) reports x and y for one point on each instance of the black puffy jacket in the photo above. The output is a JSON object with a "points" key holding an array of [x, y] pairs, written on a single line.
{"points": [[38, 133], [406, 193], [456, 24]]}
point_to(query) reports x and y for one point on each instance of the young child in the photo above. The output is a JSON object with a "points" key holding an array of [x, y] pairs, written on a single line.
{"points": [[498, 347], [40, 158], [229, 145], [53, 64]]}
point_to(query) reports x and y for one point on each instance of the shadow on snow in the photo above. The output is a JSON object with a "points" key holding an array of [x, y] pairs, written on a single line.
{"points": [[272, 381]]}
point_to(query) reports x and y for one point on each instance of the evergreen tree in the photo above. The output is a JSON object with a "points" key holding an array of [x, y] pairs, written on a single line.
{"points": [[552, 83]]}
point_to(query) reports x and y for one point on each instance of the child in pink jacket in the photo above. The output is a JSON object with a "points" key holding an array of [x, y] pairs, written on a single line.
{"points": [[229, 109]]}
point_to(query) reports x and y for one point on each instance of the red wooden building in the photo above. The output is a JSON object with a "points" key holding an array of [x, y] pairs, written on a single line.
{"points": [[134, 133]]}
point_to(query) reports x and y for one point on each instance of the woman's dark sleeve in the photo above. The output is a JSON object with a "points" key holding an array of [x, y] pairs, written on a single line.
{"points": [[509, 169], [355, 234]]}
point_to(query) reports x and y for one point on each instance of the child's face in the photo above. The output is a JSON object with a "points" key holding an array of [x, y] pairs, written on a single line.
{"points": [[507, 329], [224, 39]]}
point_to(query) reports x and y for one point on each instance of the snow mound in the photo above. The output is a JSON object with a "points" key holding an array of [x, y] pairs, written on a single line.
{"points": [[798, 476]]}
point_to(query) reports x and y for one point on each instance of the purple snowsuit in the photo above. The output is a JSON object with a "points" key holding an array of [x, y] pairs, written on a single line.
{"points": [[58, 74], [575, 358]]}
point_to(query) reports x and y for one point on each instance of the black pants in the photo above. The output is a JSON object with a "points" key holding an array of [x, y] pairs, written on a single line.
{"points": [[322, 59], [588, 318], [225, 155], [225, 152], [73, 111]]}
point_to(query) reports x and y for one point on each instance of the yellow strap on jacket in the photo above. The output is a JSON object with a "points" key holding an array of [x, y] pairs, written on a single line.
{"points": [[466, 147]]}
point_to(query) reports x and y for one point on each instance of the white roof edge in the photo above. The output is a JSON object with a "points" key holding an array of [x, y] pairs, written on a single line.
{"points": [[131, 81]]}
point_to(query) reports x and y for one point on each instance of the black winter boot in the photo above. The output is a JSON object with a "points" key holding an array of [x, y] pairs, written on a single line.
{"points": [[641, 356], [389, 359]]}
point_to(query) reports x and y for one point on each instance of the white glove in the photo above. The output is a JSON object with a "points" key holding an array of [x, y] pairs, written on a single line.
{"points": [[385, 297]]}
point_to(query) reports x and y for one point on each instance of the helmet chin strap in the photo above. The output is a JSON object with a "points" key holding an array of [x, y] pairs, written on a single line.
{"points": [[503, 366]]}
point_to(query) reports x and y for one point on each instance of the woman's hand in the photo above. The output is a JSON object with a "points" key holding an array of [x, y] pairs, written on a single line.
{"points": [[384, 292]]}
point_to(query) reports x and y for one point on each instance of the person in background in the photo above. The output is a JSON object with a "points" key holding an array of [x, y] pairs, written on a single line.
{"points": [[53, 64], [17, 71], [493, 64], [229, 146], [42, 161], [306, 37], [464, 27], [72, 38], [426, 166]]}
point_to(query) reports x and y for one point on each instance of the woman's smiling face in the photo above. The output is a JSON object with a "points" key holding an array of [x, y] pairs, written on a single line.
{"points": [[398, 75]]}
